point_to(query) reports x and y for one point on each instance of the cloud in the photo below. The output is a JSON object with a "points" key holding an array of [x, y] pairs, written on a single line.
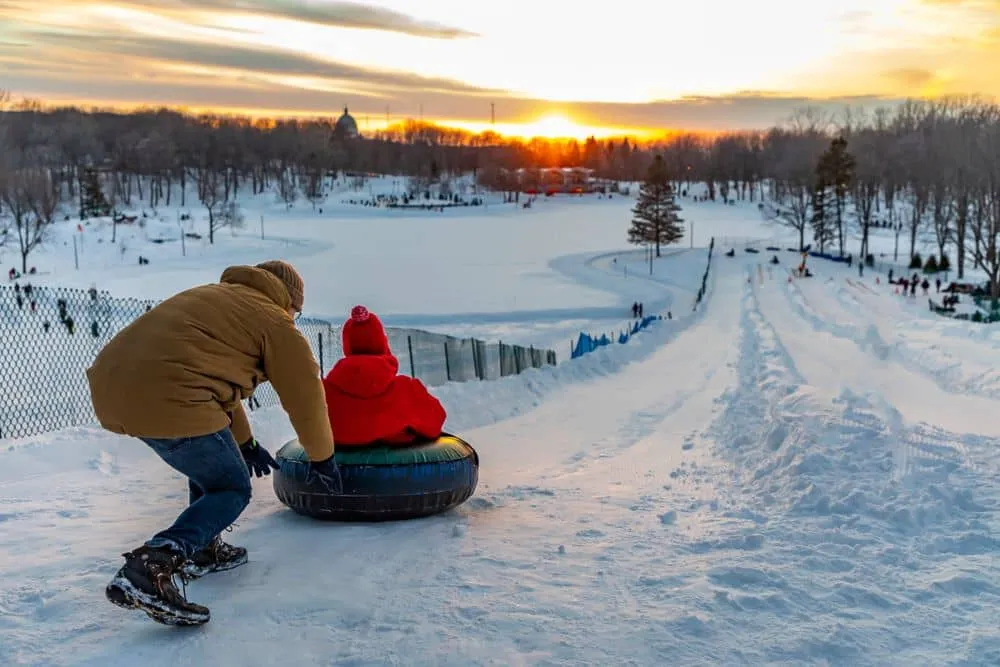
{"points": [[175, 54], [154, 71], [238, 92], [329, 13], [190, 56]]}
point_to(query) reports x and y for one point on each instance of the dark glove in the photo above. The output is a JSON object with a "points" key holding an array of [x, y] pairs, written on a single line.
{"points": [[259, 461], [327, 474]]}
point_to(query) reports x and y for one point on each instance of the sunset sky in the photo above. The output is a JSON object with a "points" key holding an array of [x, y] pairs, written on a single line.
{"points": [[622, 65]]}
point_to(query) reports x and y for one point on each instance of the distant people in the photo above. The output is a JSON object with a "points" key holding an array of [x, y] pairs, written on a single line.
{"points": [[925, 285], [937, 284], [640, 311], [367, 400], [635, 309]]}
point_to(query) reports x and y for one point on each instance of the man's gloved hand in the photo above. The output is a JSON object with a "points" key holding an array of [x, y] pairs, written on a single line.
{"points": [[259, 461], [326, 473]]}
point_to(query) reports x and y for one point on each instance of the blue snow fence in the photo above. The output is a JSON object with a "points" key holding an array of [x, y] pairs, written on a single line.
{"points": [[587, 343]]}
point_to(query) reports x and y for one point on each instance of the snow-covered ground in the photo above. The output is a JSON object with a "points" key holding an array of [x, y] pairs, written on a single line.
{"points": [[800, 472], [498, 270]]}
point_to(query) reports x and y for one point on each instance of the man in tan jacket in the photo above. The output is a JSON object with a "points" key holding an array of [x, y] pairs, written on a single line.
{"points": [[175, 379]]}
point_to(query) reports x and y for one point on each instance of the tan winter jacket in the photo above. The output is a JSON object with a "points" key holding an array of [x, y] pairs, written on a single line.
{"points": [[181, 369]]}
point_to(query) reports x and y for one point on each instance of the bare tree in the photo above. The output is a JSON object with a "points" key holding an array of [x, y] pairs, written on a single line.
{"points": [[287, 190], [985, 219], [31, 201], [793, 156], [212, 195], [113, 195], [866, 183]]}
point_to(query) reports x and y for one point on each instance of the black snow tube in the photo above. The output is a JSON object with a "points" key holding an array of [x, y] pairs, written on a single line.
{"points": [[382, 483]]}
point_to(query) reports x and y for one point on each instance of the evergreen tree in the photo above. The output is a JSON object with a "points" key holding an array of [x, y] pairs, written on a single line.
{"points": [[93, 203], [836, 170], [655, 218], [821, 221]]}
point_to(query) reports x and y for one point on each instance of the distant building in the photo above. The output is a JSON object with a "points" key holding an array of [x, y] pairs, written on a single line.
{"points": [[552, 180], [346, 127]]}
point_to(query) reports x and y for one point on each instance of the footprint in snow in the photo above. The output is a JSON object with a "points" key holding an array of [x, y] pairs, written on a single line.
{"points": [[104, 463]]}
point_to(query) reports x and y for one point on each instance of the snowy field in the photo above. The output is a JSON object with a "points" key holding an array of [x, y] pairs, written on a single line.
{"points": [[500, 270], [800, 472]]}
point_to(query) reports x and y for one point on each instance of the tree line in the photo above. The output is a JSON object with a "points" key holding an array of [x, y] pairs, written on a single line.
{"points": [[924, 165]]}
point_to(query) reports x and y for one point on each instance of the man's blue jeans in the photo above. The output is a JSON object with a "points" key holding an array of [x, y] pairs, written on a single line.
{"points": [[219, 485]]}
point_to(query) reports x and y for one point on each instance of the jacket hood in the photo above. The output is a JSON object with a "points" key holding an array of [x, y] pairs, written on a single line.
{"points": [[364, 376], [259, 279]]}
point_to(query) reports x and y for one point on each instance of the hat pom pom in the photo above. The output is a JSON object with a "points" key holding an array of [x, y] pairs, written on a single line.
{"points": [[359, 314]]}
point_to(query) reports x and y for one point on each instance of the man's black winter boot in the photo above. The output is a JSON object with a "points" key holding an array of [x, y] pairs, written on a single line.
{"points": [[215, 557], [146, 582]]}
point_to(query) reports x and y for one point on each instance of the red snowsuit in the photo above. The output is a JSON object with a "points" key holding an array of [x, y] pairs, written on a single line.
{"points": [[367, 400]]}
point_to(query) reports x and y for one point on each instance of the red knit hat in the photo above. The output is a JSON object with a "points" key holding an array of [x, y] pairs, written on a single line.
{"points": [[363, 333]]}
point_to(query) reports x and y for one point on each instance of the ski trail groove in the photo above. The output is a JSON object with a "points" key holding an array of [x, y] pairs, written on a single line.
{"points": [[948, 371], [838, 478]]}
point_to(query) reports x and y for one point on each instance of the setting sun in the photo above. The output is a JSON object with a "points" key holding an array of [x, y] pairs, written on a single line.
{"points": [[548, 126], [554, 126]]}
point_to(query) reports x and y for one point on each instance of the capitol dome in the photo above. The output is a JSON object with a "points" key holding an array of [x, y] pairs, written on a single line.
{"points": [[346, 126]]}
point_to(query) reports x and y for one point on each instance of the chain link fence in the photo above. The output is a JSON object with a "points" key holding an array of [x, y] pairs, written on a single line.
{"points": [[49, 336]]}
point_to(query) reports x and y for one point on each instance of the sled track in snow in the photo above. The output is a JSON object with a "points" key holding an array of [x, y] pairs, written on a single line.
{"points": [[826, 480], [945, 370]]}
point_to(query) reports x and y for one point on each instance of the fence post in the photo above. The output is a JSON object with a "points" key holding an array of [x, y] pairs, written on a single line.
{"points": [[500, 354], [480, 359], [517, 359], [533, 362], [320, 335], [409, 345], [447, 362]]}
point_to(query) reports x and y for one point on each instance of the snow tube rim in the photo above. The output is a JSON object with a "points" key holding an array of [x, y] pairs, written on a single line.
{"points": [[446, 448]]}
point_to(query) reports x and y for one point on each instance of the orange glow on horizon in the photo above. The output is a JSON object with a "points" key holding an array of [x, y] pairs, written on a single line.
{"points": [[550, 126]]}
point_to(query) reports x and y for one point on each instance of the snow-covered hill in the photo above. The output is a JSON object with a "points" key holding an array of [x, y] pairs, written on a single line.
{"points": [[801, 472]]}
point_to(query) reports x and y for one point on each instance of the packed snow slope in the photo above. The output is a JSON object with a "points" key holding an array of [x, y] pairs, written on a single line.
{"points": [[792, 475]]}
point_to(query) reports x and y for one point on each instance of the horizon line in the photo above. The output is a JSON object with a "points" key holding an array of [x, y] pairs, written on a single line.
{"points": [[368, 122]]}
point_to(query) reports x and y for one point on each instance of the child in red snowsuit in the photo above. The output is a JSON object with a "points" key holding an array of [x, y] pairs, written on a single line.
{"points": [[367, 400]]}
